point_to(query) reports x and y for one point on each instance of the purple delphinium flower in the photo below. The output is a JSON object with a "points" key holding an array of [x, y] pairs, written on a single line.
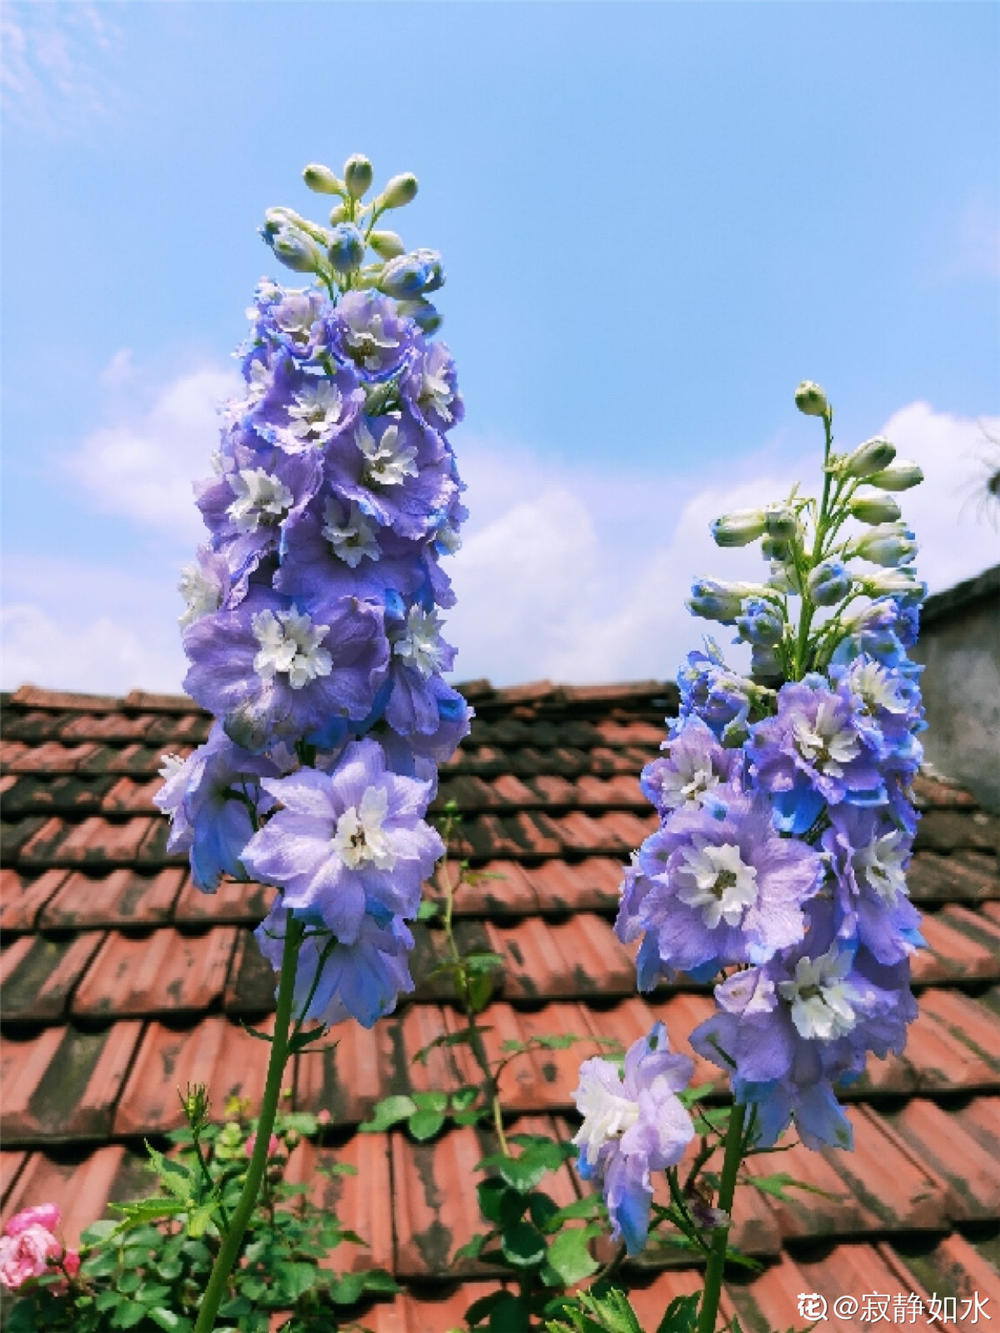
{"points": [[349, 843], [884, 630], [204, 584], [694, 769], [295, 322], [720, 697], [812, 753], [276, 668], [430, 387], [213, 798], [369, 332], [336, 981], [723, 891], [302, 411], [397, 470], [633, 1124], [788, 1030]]}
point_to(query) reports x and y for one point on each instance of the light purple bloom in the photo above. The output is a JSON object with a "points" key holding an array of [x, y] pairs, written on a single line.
{"points": [[720, 697], [275, 667], [291, 320], [369, 332], [430, 387], [693, 770], [397, 471], [209, 797], [360, 980], [347, 843], [633, 1124], [301, 411]]}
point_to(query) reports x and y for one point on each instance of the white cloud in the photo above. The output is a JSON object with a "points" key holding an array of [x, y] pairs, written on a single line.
{"points": [[142, 465], [75, 624], [51, 72]]}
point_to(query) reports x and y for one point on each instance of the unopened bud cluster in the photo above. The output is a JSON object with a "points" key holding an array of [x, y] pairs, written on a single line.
{"points": [[810, 554]]}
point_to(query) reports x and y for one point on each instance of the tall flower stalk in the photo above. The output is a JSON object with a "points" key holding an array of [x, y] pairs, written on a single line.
{"points": [[778, 870], [312, 627]]}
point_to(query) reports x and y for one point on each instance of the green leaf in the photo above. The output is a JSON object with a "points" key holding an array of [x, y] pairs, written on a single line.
{"points": [[480, 988], [428, 909], [107, 1299], [295, 1279], [781, 1182], [523, 1245], [542, 1209], [97, 1232], [377, 1279], [199, 1219], [129, 1281], [482, 962], [254, 1032], [591, 1205], [165, 1318], [681, 1315], [463, 1097], [462, 1038], [478, 1310], [508, 1315], [128, 1314], [347, 1289], [425, 1124], [472, 1248], [569, 1257], [499, 1203], [431, 1101], [388, 1112], [303, 1039]]}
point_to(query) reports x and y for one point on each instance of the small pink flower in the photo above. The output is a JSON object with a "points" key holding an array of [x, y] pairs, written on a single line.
{"points": [[42, 1214], [323, 1117], [273, 1146], [27, 1255]]}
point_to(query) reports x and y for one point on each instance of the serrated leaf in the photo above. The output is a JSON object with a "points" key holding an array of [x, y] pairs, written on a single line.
{"points": [[425, 1124], [523, 1245], [128, 1314], [681, 1315], [590, 1206], [482, 962], [470, 1117], [295, 1279], [377, 1279], [480, 989], [463, 1097], [165, 1318], [431, 1101], [472, 1248], [479, 1309], [569, 1257], [499, 1203], [388, 1112]]}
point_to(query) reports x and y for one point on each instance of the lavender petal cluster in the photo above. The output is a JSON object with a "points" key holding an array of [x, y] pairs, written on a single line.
{"points": [[633, 1123], [312, 621]]}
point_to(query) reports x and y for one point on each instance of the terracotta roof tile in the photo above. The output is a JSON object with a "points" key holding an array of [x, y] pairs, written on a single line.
{"points": [[51, 757], [582, 956], [38, 974], [970, 1167], [232, 902], [24, 898], [94, 841], [164, 973], [81, 1191], [119, 898], [358, 1200], [348, 1072]]}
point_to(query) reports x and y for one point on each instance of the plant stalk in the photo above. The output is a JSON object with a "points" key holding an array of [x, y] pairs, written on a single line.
{"points": [[720, 1237], [233, 1236]]}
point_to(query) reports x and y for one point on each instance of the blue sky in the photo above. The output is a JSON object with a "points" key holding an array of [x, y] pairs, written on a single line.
{"points": [[656, 218]]}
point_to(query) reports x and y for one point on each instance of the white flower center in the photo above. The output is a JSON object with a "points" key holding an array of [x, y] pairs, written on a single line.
{"points": [[170, 766], [876, 688], [448, 538], [351, 541], [435, 391], [366, 341], [689, 777], [825, 744], [262, 500], [290, 644], [201, 593], [821, 1000], [419, 644], [606, 1115], [880, 865], [717, 880], [314, 415], [359, 837], [389, 461], [295, 315]]}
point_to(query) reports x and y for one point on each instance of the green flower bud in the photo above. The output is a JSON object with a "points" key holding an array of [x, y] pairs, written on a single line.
{"points": [[399, 191], [774, 548], [810, 399], [874, 507], [386, 244], [739, 528], [781, 521], [870, 457], [321, 179], [357, 175], [339, 213], [900, 477]]}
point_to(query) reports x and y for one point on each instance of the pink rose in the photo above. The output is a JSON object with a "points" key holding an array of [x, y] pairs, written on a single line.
{"points": [[43, 1214], [26, 1255]]}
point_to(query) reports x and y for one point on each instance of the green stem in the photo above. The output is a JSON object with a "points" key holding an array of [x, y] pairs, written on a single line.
{"points": [[720, 1237], [233, 1237]]}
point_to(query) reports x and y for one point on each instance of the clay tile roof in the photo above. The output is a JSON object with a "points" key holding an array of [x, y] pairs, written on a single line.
{"points": [[122, 983]]}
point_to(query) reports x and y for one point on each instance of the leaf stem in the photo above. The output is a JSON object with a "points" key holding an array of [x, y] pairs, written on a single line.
{"points": [[233, 1236], [720, 1237]]}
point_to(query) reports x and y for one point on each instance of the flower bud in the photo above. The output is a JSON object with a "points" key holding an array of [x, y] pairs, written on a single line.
{"points": [[425, 315], [357, 175], [339, 213], [347, 247], [780, 521], [829, 583], [739, 527], [872, 456], [295, 249], [716, 600], [761, 622], [321, 179], [889, 544], [765, 661], [774, 548], [901, 583], [386, 244], [900, 477], [410, 276], [399, 191], [810, 399], [874, 507]]}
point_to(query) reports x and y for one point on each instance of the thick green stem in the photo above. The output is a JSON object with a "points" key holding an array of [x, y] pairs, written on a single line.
{"points": [[720, 1237], [233, 1237]]}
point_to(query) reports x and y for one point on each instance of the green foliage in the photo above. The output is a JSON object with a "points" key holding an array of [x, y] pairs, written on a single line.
{"points": [[148, 1270], [612, 1312]]}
